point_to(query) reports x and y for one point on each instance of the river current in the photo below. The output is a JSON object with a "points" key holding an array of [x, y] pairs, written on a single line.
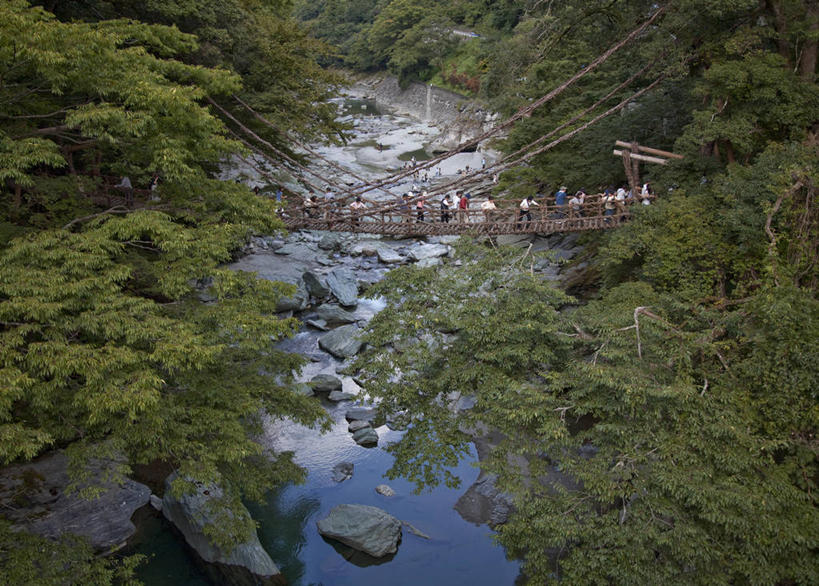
{"points": [[456, 551]]}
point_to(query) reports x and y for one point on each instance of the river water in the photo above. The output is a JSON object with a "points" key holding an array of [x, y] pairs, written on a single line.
{"points": [[456, 551]]}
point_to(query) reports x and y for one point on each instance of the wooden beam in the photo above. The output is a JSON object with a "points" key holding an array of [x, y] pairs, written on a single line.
{"points": [[648, 150], [645, 158]]}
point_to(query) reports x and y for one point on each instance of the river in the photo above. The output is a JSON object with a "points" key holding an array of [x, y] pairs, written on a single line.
{"points": [[456, 551]]}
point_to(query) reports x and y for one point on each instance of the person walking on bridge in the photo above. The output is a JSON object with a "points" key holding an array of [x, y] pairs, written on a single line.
{"points": [[576, 204], [355, 209], [420, 206], [488, 207], [525, 206], [463, 208], [560, 201]]}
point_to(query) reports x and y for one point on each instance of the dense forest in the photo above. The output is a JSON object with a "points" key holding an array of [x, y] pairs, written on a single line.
{"points": [[677, 395], [673, 386]]}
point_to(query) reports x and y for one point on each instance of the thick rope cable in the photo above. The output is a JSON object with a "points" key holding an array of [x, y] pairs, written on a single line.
{"points": [[496, 167], [525, 112]]}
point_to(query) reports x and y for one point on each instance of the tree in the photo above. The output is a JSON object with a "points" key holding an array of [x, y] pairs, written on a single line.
{"points": [[106, 348]]}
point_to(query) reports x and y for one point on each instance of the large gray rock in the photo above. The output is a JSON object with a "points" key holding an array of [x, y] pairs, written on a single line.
{"points": [[42, 505], [247, 564], [342, 342], [519, 240], [366, 437], [295, 303], [423, 251], [365, 247], [388, 255], [344, 285], [315, 285], [365, 528], [484, 503], [338, 396], [334, 315], [299, 250], [428, 262], [360, 414], [331, 241], [324, 383]]}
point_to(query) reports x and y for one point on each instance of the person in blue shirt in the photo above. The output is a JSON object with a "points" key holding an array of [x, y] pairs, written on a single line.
{"points": [[560, 201]]}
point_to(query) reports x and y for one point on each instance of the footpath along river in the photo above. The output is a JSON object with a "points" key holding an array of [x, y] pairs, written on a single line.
{"points": [[456, 551]]}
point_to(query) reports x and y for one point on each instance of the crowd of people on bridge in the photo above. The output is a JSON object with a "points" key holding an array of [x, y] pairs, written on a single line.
{"points": [[455, 206]]}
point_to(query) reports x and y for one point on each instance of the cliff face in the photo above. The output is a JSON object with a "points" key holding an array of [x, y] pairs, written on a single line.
{"points": [[459, 118]]}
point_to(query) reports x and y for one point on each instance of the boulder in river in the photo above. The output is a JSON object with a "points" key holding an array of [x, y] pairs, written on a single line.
{"points": [[43, 505], [388, 255], [344, 285], [366, 437], [484, 503], [295, 303], [331, 241], [362, 527], [315, 285], [342, 342], [338, 396], [384, 490], [360, 414], [246, 564], [324, 383], [423, 251], [356, 425], [334, 315]]}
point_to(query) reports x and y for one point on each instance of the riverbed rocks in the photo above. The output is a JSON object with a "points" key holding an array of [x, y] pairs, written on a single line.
{"points": [[360, 414], [342, 342], [362, 527], [427, 251], [245, 565], [338, 396], [325, 383], [484, 503], [389, 255], [366, 437], [315, 285], [344, 285], [333, 315], [43, 505], [354, 426]]}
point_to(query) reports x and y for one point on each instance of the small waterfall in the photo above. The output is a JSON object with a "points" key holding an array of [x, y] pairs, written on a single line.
{"points": [[428, 113]]}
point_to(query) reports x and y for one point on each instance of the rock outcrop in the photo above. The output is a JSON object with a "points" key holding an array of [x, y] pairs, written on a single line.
{"points": [[43, 506], [362, 527], [247, 564], [342, 342]]}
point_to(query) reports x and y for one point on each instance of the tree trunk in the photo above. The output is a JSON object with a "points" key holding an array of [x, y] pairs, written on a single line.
{"points": [[807, 62], [781, 27]]}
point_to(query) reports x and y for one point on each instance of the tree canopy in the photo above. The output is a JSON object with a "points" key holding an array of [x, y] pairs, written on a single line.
{"points": [[107, 349]]}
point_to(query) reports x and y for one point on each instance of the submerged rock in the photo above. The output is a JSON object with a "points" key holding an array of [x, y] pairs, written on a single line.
{"points": [[343, 471], [384, 490], [484, 503], [365, 528], [341, 342], [43, 505], [246, 564]]}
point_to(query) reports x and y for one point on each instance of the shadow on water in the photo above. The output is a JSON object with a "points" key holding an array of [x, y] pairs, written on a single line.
{"points": [[357, 558]]}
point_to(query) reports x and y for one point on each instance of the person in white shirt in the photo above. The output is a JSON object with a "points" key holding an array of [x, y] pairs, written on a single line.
{"points": [[487, 208], [576, 204], [645, 194], [356, 207], [525, 204]]}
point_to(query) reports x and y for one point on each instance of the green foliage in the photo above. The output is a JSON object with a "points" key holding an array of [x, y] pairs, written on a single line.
{"points": [[29, 560], [122, 334]]}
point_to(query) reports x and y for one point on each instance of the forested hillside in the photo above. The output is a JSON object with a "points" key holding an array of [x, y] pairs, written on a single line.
{"points": [[105, 347], [662, 429]]}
